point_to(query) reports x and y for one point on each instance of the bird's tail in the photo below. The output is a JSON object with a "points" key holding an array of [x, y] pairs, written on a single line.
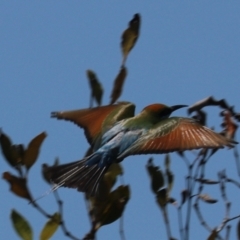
{"points": [[77, 175]]}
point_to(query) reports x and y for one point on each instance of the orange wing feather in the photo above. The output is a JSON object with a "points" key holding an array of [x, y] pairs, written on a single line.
{"points": [[178, 134], [92, 120]]}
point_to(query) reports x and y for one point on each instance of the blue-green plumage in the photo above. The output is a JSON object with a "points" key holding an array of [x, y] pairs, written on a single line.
{"points": [[115, 133]]}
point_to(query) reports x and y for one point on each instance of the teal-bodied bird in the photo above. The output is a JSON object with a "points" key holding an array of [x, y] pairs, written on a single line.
{"points": [[114, 133]]}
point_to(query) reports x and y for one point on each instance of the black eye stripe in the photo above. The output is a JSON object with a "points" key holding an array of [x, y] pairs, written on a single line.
{"points": [[165, 112]]}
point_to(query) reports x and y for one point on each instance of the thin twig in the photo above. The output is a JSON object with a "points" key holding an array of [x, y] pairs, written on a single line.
{"points": [[200, 216], [190, 187], [233, 181], [228, 228], [236, 155], [201, 219], [42, 211], [166, 221], [88, 208], [62, 223], [121, 228], [180, 223]]}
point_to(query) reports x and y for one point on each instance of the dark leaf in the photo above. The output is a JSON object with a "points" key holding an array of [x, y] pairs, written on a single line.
{"points": [[170, 179], [12, 153], [45, 174], [109, 179], [118, 85], [21, 226], [115, 169], [17, 185], [173, 201], [110, 210], [209, 101], [130, 36], [162, 197], [185, 196], [157, 180], [96, 87], [167, 161], [32, 151], [230, 127]]}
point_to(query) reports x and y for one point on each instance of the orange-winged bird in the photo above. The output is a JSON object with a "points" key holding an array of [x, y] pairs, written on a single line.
{"points": [[115, 133]]}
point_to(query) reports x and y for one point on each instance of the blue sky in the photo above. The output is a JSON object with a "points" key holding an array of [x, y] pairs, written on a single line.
{"points": [[186, 51]]}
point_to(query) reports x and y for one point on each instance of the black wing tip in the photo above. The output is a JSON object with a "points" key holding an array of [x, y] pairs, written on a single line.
{"points": [[231, 144], [234, 142], [55, 114], [230, 141]]}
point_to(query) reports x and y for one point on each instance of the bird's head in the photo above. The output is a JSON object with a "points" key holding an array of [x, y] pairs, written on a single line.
{"points": [[161, 111]]}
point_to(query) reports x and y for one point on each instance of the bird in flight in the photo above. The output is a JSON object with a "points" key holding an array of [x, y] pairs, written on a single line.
{"points": [[114, 133]]}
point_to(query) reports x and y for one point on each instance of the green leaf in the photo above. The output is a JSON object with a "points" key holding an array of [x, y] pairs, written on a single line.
{"points": [[109, 179], [162, 197], [12, 153], [115, 169], [113, 208], [130, 36], [96, 87], [17, 185], [157, 179], [32, 151], [118, 85], [50, 227], [21, 226]]}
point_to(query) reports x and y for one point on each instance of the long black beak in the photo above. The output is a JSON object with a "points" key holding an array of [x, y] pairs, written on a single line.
{"points": [[176, 107]]}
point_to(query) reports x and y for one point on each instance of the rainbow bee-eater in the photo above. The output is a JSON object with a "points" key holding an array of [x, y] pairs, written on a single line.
{"points": [[115, 133]]}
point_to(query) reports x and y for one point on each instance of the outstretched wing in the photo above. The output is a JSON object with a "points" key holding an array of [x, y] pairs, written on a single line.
{"points": [[177, 134], [96, 121]]}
